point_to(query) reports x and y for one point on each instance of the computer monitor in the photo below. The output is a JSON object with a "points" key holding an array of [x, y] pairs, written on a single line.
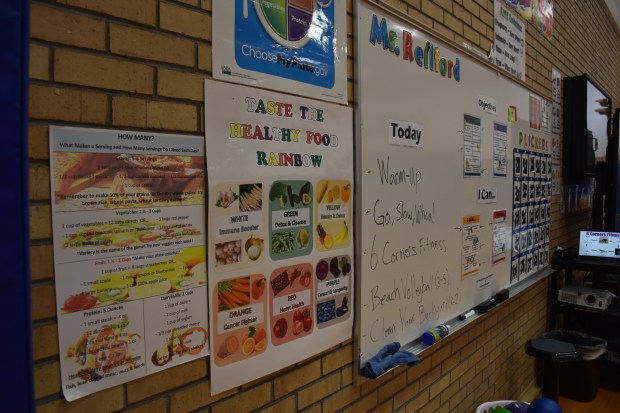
{"points": [[602, 244]]}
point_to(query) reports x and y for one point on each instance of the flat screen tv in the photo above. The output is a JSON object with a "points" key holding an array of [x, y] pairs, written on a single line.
{"points": [[601, 244], [586, 121]]}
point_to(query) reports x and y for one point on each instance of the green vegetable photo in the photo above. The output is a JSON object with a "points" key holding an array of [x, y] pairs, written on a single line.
{"points": [[290, 219]]}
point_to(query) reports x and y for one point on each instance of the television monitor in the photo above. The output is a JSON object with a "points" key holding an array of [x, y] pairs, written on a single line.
{"points": [[601, 244], [586, 121]]}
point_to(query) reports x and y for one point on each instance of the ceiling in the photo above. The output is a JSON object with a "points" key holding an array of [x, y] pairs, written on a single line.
{"points": [[614, 7]]}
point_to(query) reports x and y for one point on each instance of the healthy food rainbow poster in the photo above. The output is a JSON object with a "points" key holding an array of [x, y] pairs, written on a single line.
{"points": [[283, 45], [280, 211]]}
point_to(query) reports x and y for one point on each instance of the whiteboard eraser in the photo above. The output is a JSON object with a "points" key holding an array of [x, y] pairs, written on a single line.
{"points": [[486, 306], [502, 295]]}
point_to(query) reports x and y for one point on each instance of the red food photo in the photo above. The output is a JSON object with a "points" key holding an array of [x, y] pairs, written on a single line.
{"points": [[292, 298], [307, 324], [79, 302], [298, 327], [280, 328], [306, 279]]}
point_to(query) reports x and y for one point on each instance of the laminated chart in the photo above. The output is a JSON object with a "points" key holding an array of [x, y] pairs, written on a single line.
{"points": [[280, 225], [129, 254]]}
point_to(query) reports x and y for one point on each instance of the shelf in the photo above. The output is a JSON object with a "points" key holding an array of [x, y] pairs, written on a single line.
{"points": [[597, 323], [585, 263], [611, 312]]}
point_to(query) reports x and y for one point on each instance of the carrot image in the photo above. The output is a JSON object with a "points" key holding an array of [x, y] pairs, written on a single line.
{"points": [[232, 298], [233, 294], [244, 298], [227, 304], [244, 280], [242, 288]]}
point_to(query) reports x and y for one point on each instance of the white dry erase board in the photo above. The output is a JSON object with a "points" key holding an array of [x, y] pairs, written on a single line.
{"points": [[436, 139]]}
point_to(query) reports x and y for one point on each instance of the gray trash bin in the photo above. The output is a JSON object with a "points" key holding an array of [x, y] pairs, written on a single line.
{"points": [[579, 379]]}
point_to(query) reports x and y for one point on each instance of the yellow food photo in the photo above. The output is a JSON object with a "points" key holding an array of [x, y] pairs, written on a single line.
{"points": [[188, 269], [148, 287]]}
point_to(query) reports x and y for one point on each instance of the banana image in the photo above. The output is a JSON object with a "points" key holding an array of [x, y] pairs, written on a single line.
{"points": [[321, 191], [343, 233]]}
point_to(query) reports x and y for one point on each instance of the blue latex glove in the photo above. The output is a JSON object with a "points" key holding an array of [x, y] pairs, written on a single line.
{"points": [[387, 358]]}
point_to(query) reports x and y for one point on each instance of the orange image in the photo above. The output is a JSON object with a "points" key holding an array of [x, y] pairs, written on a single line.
{"points": [[239, 324]]}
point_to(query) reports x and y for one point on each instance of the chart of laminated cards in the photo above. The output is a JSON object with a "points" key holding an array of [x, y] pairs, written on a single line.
{"points": [[280, 216]]}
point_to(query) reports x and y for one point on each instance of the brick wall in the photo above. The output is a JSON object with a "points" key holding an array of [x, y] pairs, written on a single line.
{"points": [[141, 64]]}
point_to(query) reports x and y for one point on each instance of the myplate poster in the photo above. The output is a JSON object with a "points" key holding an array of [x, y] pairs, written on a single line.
{"points": [[283, 45], [128, 219], [280, 229]]}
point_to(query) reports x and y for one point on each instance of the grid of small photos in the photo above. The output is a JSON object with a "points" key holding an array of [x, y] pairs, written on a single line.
{"points": [[531, 212]]}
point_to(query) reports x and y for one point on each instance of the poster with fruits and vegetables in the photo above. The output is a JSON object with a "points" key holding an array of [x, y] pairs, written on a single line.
{"points": [[128, 215], [280, 211], [288, 45]]}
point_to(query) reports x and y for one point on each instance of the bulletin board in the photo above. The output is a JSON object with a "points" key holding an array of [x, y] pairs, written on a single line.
{"points": [[438, 131]]}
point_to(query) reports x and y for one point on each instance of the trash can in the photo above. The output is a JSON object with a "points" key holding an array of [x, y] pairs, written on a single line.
{"points": [[579, 379]]}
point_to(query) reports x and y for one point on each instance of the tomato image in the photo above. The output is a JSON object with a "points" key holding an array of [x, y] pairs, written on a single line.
{"points": [[280, 328]]}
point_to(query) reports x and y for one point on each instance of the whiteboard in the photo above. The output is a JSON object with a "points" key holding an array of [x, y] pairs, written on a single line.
{"points": [[425, 170]]}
